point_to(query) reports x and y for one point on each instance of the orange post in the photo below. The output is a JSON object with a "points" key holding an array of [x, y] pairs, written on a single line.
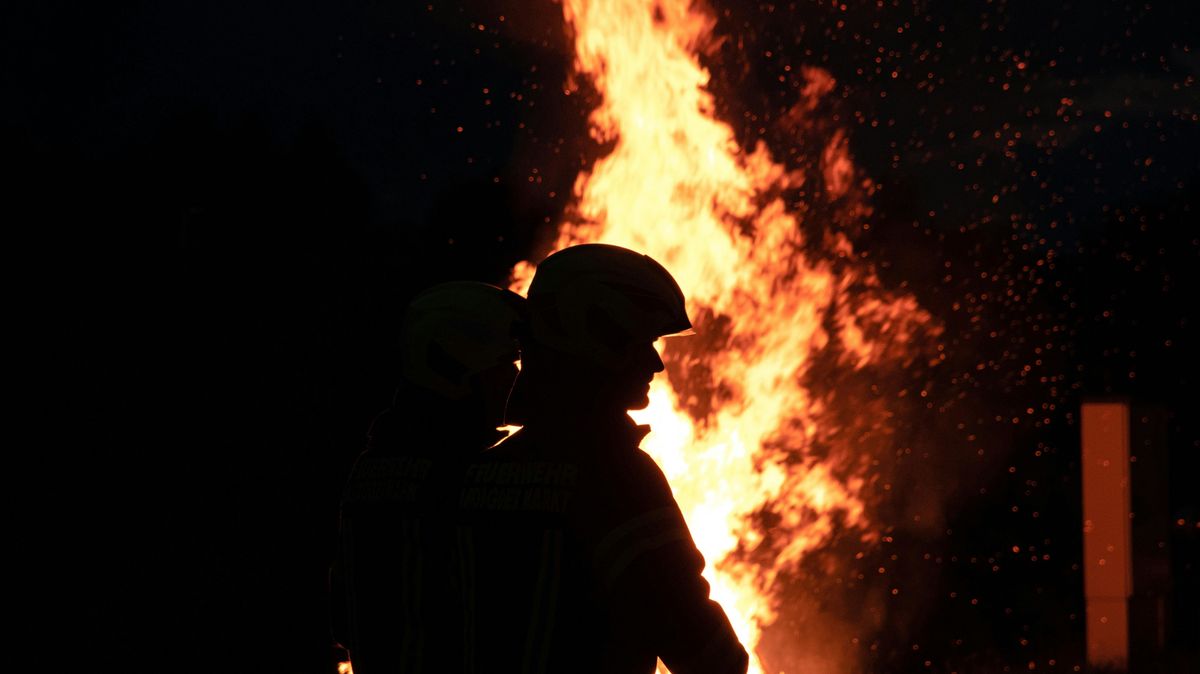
{"points": [[1108, 567]]}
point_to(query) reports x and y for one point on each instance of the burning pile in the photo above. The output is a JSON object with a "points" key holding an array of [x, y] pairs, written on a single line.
{"points": [[743, 426]]}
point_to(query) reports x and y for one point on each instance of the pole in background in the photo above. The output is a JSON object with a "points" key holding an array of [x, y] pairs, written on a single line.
{"points": [[1126, 572], [1107, 564]]}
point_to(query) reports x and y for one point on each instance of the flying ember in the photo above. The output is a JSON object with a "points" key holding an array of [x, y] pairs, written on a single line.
{"points": [[743, 424]]}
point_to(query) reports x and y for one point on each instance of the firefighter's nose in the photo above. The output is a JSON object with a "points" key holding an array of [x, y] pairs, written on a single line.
{"points": [[653, 359]]}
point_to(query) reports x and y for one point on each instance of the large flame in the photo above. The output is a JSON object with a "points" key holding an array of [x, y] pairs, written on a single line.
{"points": [[678, 187]]}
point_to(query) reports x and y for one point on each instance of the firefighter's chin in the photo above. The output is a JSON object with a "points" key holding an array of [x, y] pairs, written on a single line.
{"points": [[640, 400]]}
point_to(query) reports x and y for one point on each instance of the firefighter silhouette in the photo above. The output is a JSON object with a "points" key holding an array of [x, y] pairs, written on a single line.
{"points": [[395, 603], [572, 553]]}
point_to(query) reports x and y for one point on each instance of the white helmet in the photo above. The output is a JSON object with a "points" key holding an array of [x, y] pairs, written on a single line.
{"points": [[592, 300], [455, 330]]}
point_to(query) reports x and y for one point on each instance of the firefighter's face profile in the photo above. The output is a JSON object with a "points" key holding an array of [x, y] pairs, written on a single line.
{"points": [[630, 383]]}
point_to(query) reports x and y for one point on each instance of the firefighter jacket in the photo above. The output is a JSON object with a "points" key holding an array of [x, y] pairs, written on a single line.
{"points": [[393, 602], [573, 556]]}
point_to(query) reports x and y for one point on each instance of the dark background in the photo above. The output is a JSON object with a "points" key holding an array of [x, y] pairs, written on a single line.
{"points": [[215, 213]]}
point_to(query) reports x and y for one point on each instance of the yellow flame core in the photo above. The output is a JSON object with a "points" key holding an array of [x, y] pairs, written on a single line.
{"points": [[677, 186]]}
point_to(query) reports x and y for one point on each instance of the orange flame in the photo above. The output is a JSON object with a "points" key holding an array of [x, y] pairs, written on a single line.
{"points": [[677, 186]]}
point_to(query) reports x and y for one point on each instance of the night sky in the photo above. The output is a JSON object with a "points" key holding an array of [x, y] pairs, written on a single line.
{"points": [[216, 213]]}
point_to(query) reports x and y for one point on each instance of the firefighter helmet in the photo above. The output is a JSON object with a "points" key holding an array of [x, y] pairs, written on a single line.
{"points": [[593, 300], [455, 330]]}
